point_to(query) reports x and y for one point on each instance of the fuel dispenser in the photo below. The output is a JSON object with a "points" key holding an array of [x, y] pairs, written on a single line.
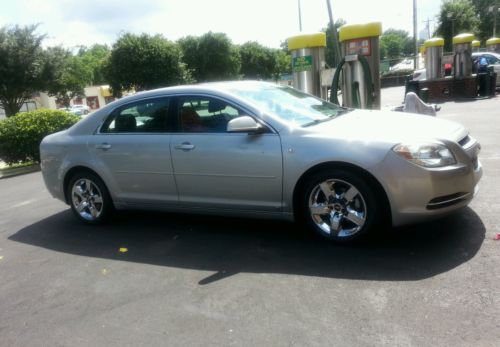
{"points": [[476, 45], [434, 58], [493, 45], [462, 46], [308, 59], [360, 66]]}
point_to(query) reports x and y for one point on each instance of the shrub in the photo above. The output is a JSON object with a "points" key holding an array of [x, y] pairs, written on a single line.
{"points": [[20, 135]]}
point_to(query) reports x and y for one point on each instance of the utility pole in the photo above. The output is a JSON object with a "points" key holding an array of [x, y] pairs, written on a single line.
{"points": [[415, 41], [427, 25], [300, 17]]}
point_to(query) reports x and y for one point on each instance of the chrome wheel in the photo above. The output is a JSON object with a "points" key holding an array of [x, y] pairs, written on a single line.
{"points": [[87, 199], [337, 208]]}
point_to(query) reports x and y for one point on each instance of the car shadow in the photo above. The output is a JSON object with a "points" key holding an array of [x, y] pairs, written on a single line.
{"points": [[228, 246]]}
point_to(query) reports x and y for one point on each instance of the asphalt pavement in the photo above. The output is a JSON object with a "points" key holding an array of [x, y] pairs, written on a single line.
{"points": [[161, 279]]}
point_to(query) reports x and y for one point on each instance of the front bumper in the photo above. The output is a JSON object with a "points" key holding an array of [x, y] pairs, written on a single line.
{"points": [[417, 193]]}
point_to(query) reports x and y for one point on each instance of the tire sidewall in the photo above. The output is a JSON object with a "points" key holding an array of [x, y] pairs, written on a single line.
{"points": [[372, 210]]}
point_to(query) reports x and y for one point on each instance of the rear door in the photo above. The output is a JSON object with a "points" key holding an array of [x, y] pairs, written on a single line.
{"points": [[132, 152], [217, 169]]}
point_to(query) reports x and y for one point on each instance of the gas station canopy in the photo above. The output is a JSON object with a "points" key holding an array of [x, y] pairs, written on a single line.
{"points": [[463, 38], [434, 42], [307, 41], [359, 31]]}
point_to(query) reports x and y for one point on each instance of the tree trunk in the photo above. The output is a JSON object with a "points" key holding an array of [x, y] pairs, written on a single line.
{"points": [[12, 107]]}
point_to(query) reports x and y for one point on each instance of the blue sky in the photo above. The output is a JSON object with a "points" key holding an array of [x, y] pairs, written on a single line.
{"points": [[72, 23]]}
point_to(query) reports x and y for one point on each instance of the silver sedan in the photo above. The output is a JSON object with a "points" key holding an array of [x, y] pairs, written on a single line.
{"points": [[256, 149]]}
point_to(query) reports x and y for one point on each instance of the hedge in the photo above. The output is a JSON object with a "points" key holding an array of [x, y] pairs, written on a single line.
{"points": [[20, 135]]}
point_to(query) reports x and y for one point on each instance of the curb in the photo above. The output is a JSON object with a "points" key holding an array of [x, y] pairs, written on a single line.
{"points": [[10, 172]]}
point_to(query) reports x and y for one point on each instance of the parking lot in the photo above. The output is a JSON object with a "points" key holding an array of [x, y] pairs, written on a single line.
{"points": [[171, 279]]}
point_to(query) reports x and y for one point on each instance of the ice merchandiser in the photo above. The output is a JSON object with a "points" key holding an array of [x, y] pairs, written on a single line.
{"points": [[462, 48], [360, 66], [308, 58], [434, 58]]}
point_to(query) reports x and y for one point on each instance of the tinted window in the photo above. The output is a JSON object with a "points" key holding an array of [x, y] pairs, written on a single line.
{"points": [[205, 115], [491, 59], [147, 116]]}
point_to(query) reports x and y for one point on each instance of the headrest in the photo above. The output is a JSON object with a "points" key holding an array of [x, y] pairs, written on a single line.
{"points": [[216, 106]]}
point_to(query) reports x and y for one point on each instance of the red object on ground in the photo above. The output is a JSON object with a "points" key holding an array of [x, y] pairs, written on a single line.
{"points": [[496, 237]]}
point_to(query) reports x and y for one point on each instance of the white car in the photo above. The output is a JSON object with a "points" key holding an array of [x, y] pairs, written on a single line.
{"points": [[84, 108]]}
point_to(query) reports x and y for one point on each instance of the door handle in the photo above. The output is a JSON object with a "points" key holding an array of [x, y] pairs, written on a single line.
{"points": [[104, 146], [185, 146]]}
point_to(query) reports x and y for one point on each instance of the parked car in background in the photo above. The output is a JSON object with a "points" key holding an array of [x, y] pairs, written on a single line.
{"points": [[84, 108], [492, 58], [75, 111], [257, 149]]}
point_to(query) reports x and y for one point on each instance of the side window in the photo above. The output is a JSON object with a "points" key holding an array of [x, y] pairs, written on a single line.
{"points": [[147, 116], [492, 60], [205, 115]]}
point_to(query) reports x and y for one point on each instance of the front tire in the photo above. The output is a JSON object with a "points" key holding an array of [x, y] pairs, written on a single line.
{"points": [[89, 198], [339, 205]]}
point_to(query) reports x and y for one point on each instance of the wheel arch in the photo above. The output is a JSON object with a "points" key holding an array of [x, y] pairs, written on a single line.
{"points": [[372, 180]]}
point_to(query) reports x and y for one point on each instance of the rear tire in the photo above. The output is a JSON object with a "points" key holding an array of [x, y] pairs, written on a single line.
{"points": [[339, 205], [89, 198]]}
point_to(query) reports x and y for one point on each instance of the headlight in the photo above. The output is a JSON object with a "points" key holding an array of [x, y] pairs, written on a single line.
{"points": [[426, 154]]}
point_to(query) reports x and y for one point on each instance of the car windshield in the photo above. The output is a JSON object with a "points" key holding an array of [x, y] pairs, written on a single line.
{"points": [[291, 105]]}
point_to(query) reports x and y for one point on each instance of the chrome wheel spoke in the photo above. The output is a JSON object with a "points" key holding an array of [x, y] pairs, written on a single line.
{"points": [[79, 191], [355, 217], [350, 193], [327, 190], [97, 199], [81, 206], [319, 209], [93, 211], [335, 222]]}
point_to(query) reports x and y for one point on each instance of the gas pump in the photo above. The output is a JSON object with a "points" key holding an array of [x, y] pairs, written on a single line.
{"points": [[462, 46], [360, 66], [308, 60]]}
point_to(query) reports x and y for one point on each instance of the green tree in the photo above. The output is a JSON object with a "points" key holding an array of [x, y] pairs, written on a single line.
{"points": [[392, 46], [211, 57], [455, 17], [283, 64], [331, 47], [257, 61], [143, 62], [70, 75], [485, 10], [96, 58], [23, 66]]}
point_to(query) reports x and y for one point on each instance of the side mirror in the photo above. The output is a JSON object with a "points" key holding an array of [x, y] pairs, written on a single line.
{"points": [[245, 124]]}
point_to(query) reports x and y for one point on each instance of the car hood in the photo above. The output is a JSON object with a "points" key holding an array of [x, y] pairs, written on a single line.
{"points": [[394, 127]]}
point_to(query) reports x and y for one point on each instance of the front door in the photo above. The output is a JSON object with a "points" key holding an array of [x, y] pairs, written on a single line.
{"points": [[216, 169]]}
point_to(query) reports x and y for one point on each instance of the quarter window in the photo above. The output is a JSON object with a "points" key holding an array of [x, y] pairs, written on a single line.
{"points": [[147, 116], [205, 115]]}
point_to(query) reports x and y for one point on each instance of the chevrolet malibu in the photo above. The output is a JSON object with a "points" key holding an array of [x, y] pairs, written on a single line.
{"points": [[256, 149]]}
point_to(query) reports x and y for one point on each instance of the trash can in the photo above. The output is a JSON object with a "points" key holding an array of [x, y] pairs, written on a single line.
{"points": [[424, 95], [483, 81]]}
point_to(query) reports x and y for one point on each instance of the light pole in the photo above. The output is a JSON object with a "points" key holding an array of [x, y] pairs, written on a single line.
{"points": [[300, 16], [415, 41], [495, 10]]}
